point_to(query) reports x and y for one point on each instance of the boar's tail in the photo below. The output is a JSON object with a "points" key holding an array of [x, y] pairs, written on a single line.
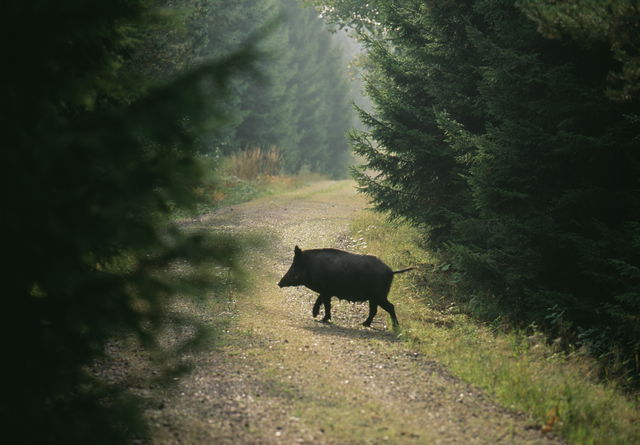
{"points": [[403, 270]]}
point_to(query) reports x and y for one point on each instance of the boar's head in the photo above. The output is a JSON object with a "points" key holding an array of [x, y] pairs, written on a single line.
{"points": [[297, 273]]}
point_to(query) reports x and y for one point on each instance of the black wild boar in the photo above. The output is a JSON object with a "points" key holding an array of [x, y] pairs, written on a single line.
{"points": [[348, 276]]}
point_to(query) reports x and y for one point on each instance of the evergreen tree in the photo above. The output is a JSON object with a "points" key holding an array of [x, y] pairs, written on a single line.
{"points": [[308, 43], [340, 111], [255, 114], [94, 161], [514, 152], [555, 177], [614, 23], [420, 67], [300, 103], [266, 103], [316, 110]]}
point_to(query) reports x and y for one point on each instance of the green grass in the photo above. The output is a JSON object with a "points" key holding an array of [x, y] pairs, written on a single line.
{"points": [[231, 190], [250, 174], [520, 371], [236, 179]]}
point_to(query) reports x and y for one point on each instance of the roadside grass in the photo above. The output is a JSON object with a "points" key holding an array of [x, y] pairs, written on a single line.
{"points": [[560, 391], [227, 189], [247, 175]]}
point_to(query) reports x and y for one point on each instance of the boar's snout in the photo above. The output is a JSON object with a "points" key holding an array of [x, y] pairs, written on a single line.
{"points": [[293, 275], [286, 281]]}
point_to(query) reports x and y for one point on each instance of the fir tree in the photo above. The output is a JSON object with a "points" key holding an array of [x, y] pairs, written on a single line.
{"points": [[514, 152], [300, 101], [420, 68], [96, 158], [589, 23], [555, 178]]}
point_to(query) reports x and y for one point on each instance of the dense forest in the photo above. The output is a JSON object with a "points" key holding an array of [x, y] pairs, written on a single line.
{"points": [[298, 97], [111, 109], [508, 131]]}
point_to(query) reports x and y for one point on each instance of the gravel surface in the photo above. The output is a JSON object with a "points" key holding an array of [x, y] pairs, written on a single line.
{"points": [[281, 377]]}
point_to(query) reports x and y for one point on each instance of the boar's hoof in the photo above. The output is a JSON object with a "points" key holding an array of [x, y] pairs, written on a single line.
{"points": [[366, 323]]}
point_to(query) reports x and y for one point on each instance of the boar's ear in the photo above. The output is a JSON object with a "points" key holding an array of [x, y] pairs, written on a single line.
{"points": [[297, 252]]}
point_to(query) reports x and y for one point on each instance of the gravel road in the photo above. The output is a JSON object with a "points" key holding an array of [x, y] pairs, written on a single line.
{"points": [[281, 377]]}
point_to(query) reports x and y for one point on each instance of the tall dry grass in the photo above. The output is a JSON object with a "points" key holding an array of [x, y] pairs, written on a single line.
{"points": [[255, 162]]}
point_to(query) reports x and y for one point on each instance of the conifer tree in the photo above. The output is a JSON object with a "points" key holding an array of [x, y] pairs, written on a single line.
{"points": [[589, 23], [318, 84], [340, 112], [96, 158], [420, 68], [555, 178], [505, 139], [300, 103]]}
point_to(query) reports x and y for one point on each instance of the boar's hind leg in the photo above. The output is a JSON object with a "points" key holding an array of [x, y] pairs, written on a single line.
{"points": [[316, 307], [387, 306], [327, 307], [373, 309]]}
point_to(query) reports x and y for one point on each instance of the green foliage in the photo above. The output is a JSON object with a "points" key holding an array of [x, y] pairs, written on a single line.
{"points": [[412, 78], [615, 23], [516, 366], [300, 103], [94, 159], [322, 109], [515, 153]]}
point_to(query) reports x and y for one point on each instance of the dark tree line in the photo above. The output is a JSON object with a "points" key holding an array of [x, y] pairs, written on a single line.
{"points": [[508, 131], [108, 107], [93, 161]]}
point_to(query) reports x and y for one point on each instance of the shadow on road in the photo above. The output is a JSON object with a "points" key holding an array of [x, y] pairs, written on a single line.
{"points": [[332, 330]]}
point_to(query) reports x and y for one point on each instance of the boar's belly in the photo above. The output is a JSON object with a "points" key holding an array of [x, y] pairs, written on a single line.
{"points": [[345, 292], [353, 297]]}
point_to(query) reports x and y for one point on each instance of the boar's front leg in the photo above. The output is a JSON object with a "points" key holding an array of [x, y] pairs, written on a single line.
{"points": [[316, 306], [327, 307]]}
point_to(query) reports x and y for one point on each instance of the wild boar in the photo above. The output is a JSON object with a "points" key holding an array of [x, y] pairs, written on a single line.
{"points": [[348, 276]]}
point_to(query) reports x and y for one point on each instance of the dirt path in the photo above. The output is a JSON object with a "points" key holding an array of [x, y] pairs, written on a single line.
{"points": [[283, 378]]}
